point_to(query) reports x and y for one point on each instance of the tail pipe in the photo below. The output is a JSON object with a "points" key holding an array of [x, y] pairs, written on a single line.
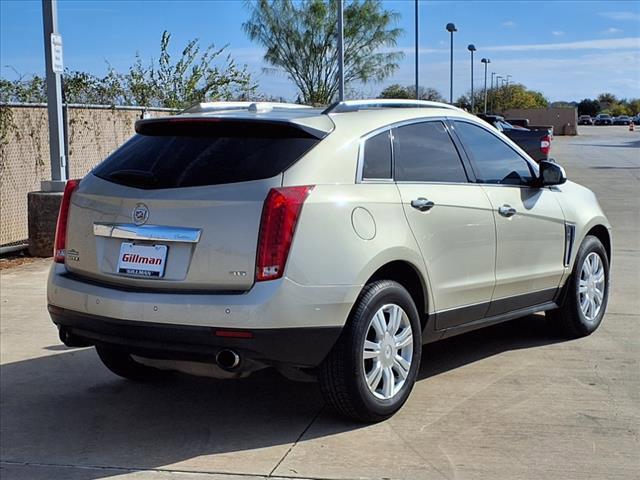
{"points": [[228, 359]]}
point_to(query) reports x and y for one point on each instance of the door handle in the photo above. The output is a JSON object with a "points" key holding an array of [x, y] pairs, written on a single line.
{"points": [[422, 204], [507, 211]]}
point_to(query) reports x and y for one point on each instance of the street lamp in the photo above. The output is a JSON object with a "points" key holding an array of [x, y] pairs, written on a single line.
{"points": [[472, 48], [493, 94], [508, 77], [451, 28], [486, 62]]}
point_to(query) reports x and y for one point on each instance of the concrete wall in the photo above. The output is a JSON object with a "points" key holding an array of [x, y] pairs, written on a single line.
{"points": [[24, 153], [564, 120]]}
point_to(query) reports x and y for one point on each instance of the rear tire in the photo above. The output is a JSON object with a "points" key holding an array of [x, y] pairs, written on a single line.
{"points": [[587, 292], [122, 364], [369, 373]]}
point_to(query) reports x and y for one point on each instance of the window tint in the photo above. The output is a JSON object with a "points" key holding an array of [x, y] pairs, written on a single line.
{"points": [[190, 154], [424, 152], [377, 156], [494, 160]]}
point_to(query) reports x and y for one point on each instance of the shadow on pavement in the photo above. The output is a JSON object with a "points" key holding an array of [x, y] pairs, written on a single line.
{"points": [[67, 409]]}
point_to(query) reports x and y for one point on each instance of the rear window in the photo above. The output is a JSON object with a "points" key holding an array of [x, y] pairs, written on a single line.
{"points": [[187, 153]]}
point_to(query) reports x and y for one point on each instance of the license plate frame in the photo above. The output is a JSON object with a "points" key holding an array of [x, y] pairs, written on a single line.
{"points": [[142, 261]]}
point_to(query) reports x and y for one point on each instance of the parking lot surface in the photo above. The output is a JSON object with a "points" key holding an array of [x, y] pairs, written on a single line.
{"points": [[507, 402]]}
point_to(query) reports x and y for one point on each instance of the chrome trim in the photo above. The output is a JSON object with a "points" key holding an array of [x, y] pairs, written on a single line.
{"points": [[353, 105], [130, 231], [569, 239]]}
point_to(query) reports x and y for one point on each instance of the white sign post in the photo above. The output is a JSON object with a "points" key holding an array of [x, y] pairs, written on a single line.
{"points": [[57, 64]]}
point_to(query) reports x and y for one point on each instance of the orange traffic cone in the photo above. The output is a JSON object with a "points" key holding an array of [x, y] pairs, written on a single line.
{"points": [[631, 127]]}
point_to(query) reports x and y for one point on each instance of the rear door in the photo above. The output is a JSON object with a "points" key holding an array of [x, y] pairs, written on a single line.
{"points": [[450, 218], [530, 224], [179, 205]]}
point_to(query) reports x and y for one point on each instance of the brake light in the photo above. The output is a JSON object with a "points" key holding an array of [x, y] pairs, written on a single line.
{"points": [[277, 226], [545, 145], [59, 249]]}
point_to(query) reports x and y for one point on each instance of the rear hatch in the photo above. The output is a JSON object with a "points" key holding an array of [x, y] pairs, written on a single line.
{"points": [[178, 206]]}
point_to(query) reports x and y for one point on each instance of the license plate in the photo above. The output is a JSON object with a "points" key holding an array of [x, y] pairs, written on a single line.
{"points": [[142, 260]]}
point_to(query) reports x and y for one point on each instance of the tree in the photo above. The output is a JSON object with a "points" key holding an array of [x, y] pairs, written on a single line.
{"points": [[194, 77], [515, 96], [589, 107], [301, 39], [607, 99], [394, 91], [409, 92]]}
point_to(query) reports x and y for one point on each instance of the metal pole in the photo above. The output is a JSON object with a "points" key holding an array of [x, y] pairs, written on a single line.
{"points": [[417, 55], [451, 73], [473, 99], [492, 92], [340, 50], [54, 98], [451, 28], [485, 86], [472, 49]]}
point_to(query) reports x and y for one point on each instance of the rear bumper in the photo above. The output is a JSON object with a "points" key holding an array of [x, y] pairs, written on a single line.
{"points": [[303, 347], [291, 323]]}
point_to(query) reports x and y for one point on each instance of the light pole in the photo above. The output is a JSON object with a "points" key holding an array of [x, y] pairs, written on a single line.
{"points": [[508, 77], [486, 62], [451, 28], [53, 64], [417, 54], [472, 48], [491, 90], [340, 50]]}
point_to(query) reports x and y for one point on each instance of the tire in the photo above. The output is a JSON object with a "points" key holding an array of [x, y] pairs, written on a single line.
{"points": [[122, 364], [572, 319], [342, 374]]}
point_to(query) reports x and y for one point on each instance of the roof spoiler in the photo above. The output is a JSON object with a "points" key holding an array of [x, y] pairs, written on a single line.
{"points": [[257, 107]]}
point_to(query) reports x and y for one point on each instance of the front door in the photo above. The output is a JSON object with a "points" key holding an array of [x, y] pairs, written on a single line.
{"points": [[530, 230]]}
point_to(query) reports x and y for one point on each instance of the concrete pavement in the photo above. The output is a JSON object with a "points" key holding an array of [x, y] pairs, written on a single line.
{"points": [[506, 402]]}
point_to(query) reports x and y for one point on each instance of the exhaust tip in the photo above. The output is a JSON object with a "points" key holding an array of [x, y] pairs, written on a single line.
{"points": [[228, 359]]}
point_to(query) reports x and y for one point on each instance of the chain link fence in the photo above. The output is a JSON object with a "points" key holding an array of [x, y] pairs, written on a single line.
{"points": [[94, 131]]}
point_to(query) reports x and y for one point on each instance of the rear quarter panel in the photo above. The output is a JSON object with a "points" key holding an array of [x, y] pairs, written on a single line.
{"points": [[346, 232]]}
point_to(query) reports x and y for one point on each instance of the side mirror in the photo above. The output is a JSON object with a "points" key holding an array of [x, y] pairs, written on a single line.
{"points": [[551, 174]]}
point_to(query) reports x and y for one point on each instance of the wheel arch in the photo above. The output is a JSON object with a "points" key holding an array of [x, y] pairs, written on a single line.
{"points": [[602, 233], [407, 275]]}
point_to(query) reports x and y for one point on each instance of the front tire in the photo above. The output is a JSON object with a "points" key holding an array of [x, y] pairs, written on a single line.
{"points": [[122, 364], [369, 373], [587, 292]]}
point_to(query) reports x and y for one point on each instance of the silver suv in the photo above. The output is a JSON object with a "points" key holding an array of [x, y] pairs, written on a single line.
{"points": [[329, 244]]}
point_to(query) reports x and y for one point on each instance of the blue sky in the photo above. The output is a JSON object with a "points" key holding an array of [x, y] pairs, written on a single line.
{"points": [[567, 49]]}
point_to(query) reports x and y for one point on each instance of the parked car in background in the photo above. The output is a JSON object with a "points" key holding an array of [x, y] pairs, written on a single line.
{"points": [[603, 119], [622, 120], [585, 120], [329, 244], [537, 143]]}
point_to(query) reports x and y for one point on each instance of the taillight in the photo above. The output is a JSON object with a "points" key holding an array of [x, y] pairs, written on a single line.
{"points": [[277, 226], [545, 145], [59, 248]]}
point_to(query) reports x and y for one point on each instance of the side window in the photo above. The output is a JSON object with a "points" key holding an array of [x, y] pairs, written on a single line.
{"points": [[377, 157], [493, 159], [424, 152]]}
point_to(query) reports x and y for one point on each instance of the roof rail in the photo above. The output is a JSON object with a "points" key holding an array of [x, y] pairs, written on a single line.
{"points": [[257, 107], [355, 105]]}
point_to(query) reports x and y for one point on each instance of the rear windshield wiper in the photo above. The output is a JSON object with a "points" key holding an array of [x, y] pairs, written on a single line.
{"points": [[134, 178]]}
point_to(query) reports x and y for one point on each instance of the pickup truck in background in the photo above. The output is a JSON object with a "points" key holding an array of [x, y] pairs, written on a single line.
{"points": [[537, 143]]}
